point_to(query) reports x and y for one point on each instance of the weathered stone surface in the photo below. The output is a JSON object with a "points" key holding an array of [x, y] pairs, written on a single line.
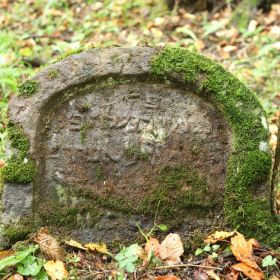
{"points": [[115, 144], [17, 202]]}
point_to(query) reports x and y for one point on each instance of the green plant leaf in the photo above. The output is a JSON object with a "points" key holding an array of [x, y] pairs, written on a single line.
{"points": [[214, 255], [162, 227], [215, 247], [207, 248], [198, 252], [17, 258], [30, 266], [127, 257], [268, 261]]}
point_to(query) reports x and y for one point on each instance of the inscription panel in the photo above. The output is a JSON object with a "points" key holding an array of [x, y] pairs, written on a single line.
{"points": [[117, 140]]}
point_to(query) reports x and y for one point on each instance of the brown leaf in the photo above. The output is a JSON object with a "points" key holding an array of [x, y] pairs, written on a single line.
{"points": [[254, 243], [49, 245], [243, 251], [75, 244], [2, 163], [273, 277], [5, 254], [171, 249], [56, 270], [250, 272], [16, 276], [152, 246], [200, 275], [212, 274], [233, 275], [168, 277], [218, 236]]}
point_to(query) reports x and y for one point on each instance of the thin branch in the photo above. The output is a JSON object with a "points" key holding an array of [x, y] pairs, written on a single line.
{"points": [[187, 265]]}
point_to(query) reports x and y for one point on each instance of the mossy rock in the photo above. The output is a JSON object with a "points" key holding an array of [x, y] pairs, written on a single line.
{"points": [[134, 132]]}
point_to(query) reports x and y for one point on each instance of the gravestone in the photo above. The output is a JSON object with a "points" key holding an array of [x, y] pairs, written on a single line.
{"points": [[108, 138]]}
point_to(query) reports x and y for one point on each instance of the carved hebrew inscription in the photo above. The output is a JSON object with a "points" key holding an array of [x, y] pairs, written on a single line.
{"points": [[117, 140]]}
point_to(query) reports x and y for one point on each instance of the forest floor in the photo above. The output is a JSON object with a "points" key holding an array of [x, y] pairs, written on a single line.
{"points": [[34, 33]]}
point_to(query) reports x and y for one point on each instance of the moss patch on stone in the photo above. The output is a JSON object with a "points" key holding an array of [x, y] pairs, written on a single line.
{"points": [[28, 88], [17, 139], [250, 161], [134, 151], [18, 232], [69, 53], [179, 189], [53, 74], [19, 171], [20, 168]]}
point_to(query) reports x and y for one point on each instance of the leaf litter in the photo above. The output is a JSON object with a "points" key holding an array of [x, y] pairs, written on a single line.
{"points": [[227, 255]]}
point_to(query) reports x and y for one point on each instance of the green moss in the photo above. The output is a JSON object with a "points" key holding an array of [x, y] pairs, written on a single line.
{"points": [[69, 53], [53, 74], [28, 88], [134, 151], [63, 215], [238, 103], [18, 232], [83, 130], [248, 166], [99, 173], [20, 168], [17, 139], [19, 171], [178, 183]]}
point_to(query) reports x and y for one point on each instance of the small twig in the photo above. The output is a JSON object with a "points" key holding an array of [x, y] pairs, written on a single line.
{"points": [[187, 265], [7, 276], [98, 273]]}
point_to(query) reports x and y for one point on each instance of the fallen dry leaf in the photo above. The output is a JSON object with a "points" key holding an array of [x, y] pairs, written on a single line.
{"points": [[56, 270], [218, 236], [16, 276], [2, 163], [273, 277], [101, 248], [5, 254], [243, 251], [168, 277], [254, 243], [75, 244], [48, 245], [233, 275], [212, 275], [171, 249], [250, 272], [152, 246]]}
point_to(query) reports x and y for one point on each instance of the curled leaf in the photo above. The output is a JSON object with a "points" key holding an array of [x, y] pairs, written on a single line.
{"points": [[250, 272], [152, 246], [171, 249], [218, 236], [168, 277], [101, 248], [75, 244], [56, 270], [243, 251]]}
